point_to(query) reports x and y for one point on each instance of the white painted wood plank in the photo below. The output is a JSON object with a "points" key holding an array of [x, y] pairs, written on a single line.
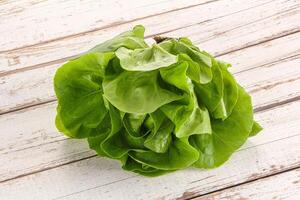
{"points": [[264, 53], [22, 8], [12, 7], [214, 32], [31, 132], [57, 19], [35, 86], [247, 28], [269, 85], [281, 186], [100, 178], [28, 128]]}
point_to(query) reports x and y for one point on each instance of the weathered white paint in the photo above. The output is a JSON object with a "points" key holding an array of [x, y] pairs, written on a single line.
{"points": [[281, 186], [39, 163], [54, 19]]}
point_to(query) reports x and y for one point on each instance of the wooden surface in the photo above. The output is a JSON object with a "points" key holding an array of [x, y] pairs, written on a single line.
{"points": [[260, 38]]}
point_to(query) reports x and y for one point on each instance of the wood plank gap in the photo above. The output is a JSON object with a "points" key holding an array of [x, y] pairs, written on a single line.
{"points": [[255, 21], [208, 20], [21, 108], [272, 105], [34, 146], [47, 168], [41, 65], [281, 35], [96, 187], [246, 182], [280, 60], [267, 142]]}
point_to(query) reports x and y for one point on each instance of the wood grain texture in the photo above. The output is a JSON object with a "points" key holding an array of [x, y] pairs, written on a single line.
{"points": [[59, 19], [235, 23], [281, 186], [35, 86], [260, 38], [102, 178]]}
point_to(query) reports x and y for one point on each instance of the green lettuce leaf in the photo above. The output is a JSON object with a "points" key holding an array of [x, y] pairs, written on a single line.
{"points": [[156, 109], [227, 136], [133, 39], [78, 87]]}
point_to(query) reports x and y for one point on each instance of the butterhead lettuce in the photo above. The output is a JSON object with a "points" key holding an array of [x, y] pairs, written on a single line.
{"points": [[156, 108]]}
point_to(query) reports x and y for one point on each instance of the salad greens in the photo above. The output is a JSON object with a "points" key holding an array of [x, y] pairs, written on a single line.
{"points": [[156, 108]]}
